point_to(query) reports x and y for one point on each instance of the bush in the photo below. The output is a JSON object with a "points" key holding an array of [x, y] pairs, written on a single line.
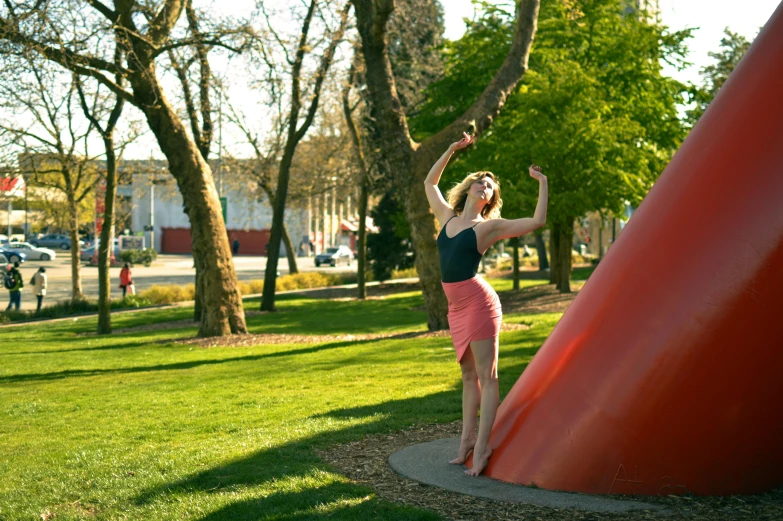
{"points": [[168, 294], [146, 256], [407, 273]]}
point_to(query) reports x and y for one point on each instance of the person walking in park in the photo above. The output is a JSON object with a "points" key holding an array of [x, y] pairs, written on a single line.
{"points": [[235, 247], [14, 285], [471, 213], [126, 279], [39, 283]]}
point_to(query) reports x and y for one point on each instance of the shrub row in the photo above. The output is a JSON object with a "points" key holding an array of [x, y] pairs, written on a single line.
{"points": [[146, 256], [169, 294]]}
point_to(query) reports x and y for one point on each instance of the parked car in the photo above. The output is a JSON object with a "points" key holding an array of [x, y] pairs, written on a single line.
{"points": [[88, 255], [54, 240], [32, 252], [335, 256], [12, 255]]}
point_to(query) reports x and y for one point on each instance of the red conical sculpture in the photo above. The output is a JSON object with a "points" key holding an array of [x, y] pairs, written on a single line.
{"points": [[666, 373]]}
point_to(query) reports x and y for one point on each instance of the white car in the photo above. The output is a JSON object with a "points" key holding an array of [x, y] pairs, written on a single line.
{"points": [[33, 252]]}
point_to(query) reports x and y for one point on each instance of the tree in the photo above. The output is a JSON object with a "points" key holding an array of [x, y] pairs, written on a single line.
{"points": [[403, 154], [390, 248], [733, 47], [364, 181], [51, 144], [295, 131], [105, 246], [144, 31], [597, 114], [265, 168]]}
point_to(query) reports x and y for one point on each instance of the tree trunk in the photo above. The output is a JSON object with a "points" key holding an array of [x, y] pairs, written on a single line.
{"points": [[289, 250], [222, 311], [554, 254], [424, 233], [106, 248], [364, 193], [564, 254], [515, 246], [73, 231], [543, 262]]}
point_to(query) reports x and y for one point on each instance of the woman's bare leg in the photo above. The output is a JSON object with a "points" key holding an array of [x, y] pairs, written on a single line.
{"points": [[471, 395], [485, 356]]}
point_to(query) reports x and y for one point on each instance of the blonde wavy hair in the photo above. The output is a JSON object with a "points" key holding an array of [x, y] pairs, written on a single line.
{"points": [[457, 196]]}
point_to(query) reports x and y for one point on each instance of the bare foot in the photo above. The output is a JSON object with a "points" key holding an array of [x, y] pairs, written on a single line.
{"points": [[465, 448], [479, 463]]}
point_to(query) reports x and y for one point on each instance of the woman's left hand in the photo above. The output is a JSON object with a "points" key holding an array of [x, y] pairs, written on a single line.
{"points": [[535, 173]]}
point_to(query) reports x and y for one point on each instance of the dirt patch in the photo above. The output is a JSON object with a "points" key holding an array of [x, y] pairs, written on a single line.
{"points": [[366, 462], [538, 299], [270, 338]]}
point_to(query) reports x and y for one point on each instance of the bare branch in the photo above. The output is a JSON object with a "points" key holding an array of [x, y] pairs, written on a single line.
{"points": [[326, 62]]}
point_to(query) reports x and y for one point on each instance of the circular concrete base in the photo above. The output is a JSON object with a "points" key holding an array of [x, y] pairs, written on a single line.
{"points": [[429, 463]]}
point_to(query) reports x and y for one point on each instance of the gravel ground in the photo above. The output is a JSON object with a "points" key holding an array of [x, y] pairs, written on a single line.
{"points": [[366, 462]]}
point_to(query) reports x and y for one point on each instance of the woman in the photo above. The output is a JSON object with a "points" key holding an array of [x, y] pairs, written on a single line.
{"points": [[473, 224], [40, 284], [125, 279]]}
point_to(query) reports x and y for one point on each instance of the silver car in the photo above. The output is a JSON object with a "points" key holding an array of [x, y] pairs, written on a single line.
{"points": [[54, 240], [32, 252]]}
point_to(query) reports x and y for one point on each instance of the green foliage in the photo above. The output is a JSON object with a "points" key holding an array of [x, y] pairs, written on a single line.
{"points": [[733, 47], [593, 110], [391, 248], [146, 256]]}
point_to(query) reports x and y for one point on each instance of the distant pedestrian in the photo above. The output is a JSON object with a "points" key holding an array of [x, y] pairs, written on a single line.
{"points": [[235, 247], [526, 251], [39, 281], [13, 283], [126, 279]]}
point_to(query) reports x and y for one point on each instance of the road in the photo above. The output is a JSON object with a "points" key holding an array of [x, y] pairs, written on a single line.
{"points": [[168, 269]]}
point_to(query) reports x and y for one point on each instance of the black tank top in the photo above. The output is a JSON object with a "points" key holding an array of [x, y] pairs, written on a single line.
{"points": [[459, 256]]}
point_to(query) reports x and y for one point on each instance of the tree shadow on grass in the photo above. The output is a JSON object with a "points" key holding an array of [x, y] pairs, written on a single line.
{"points": [[178, 366], [295, 469]]}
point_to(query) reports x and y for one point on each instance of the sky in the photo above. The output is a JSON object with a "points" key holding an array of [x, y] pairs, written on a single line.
{"points": [[710, 17]]}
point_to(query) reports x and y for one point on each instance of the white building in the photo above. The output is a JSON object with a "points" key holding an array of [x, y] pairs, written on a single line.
{"points": [[247, 212]]}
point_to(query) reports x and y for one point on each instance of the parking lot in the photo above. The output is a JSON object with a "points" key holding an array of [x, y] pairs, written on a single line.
{"points": [[168, 269]]}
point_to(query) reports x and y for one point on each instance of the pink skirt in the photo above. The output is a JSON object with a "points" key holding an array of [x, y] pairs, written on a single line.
{"points": [[474, 312]]}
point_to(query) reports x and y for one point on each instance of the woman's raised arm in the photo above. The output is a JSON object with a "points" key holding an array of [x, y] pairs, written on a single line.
{"points": [[439, 206], [499, 229]]}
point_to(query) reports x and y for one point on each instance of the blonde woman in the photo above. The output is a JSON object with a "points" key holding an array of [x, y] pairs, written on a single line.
{"points": [[471, 213]]}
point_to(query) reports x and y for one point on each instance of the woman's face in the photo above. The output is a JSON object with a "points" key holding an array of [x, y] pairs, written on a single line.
{"points": [[483, 189]]}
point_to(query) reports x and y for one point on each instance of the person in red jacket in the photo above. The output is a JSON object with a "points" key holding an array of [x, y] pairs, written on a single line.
{"points": [[125, 279]]}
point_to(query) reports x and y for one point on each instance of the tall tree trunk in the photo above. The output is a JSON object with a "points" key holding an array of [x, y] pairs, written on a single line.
{"points": [[289, 251], [564, 252], [424, 233], [73, 231], [515, 246], [105, 247], [543, 262], [364, 184], [222, 311], [554, 254]]}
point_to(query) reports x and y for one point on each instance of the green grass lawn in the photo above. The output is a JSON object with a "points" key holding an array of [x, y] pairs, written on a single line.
{"points": [[136, 426]]}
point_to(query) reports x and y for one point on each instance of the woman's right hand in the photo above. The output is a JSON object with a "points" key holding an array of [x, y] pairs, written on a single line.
{"points": [[466, 141]]}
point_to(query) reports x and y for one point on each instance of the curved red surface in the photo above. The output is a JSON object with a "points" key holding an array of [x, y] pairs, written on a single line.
{"points": [[666, 373]]}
